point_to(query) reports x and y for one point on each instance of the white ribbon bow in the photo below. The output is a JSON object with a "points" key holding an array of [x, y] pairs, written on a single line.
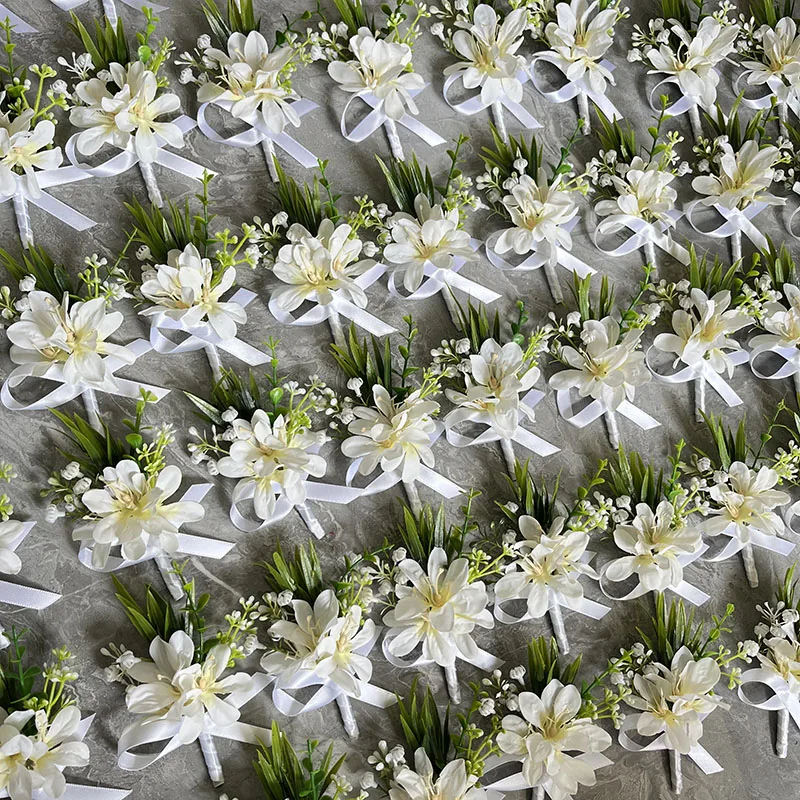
{"points": [[258, 132], [782, 699], [572, 89], [597, 408], [69, 391], [479, 658], [775, 84], [790, 366], [642, 232], [735, 221], [772, 543], [149, 731], [25, 596], [683, 104]]}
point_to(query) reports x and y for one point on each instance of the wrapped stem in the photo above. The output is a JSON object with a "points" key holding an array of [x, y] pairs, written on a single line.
{"points": [[783, 118], [676, 771], [269, 156], [736, 245], [213, 360], [499, 120], [23, 217], [796, 379], [538, 793], [699, 397], [507, 446], [782, 738], [613, 429], [349, 720], [750, 565], [412, 493], [453, 689], [650, 253], [211, 757], [694, 121], [153, 192], [557, 621], [92, 410], [394, 139], [310, 519], [450, 302], [110, 10], [336, 328], [583, 113], [552, 282], [171, 580]]}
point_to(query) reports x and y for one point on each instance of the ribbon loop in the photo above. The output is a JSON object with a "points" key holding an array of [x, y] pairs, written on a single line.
{"points": [[642, 232], [735, 220], [597, 408]]}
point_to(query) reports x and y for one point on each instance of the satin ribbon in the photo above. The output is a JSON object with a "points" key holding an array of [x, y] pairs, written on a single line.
{"points": [[475, 105], [320, 313], [772, 543], [328, 691], [705, 371], [540, 256], [735, 220], [683, 104], [597, 408], [782, 699], [20, 26], [525, 438], [188, 544], [790, 355], [127, 158], [25, 596], [377, 117], [69, 391], [203, 335], [481, 659], [642, 233], [258, 132], [152, 730], [698, 753], [589, 608], [774, 83], [68, 5], [572, 89]]}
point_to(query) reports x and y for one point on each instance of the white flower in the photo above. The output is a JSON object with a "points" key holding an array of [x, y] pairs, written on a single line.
{"points": [[782, 323], [10, 562], [381, 68], [673, 700], [272, 459], [654, 545], [783, 658], [644, 191], [494, 384], [253, 81], [22, 151], [781, 59], [175, 688], [539, 212], [396, 435], [452, 783], [131, 511], [187, 290], [72, 334], [545, 564], [440, 610], [433, 236], [607, 368], [489, 50], [547, 734], [746, 503], [703, 332], [316, 266]]}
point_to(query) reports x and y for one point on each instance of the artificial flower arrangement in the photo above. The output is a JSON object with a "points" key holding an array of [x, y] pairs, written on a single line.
{"points": [[373, 63], [735, 169], [669, 678], [185, 270], [489, 375], [320, 636], [318, 255], [238, 73], [117, 488], [186, 689], [425, 240], [542, 209], [119, 97], [549, 552], [577, 35], [633, 188], [685, 47], [600, 344]]}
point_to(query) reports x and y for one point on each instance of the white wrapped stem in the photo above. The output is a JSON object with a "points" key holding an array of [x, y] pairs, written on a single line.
{"points": [[613, 429], [412, 493], [336, 328], [538, 793], [583, 113], [92, 409], [782, 739], [453, 689], [349, 720], [211, 757], [153, 192], [311, 521], [172, 581], [499, 120], [213, 361], [783, 118], [736, 245], [269, 156], [796, 378], [507, 446], [552, 282], [23, 218], [676, 771], [450, 302], [694, 121], [650, 253], [394, 139], [699, 398], [557, 621], [750, 565], [110, 10]]}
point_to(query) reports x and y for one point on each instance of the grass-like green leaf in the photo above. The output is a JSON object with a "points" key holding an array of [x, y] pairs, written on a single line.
{"points": [[424, 726], [301, 575], [238, 17], [50, 277], [108, 45]]}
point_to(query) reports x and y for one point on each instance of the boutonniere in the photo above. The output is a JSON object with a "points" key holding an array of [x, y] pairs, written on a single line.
{"points": [[546, 725], [434, 571], [601, 348], [320, 636], [578, 35], [735, 169], [120, 490], [489, 377], [542, 209], [389, 415], [266, 431], [29, 160], [185, 272], [426, 241], [776, 650], [119, 98], [687, 48], [549, 553], [708, 309], [238, 73], [634, 189], [62, 333], [486, 43], [669, 678], [187, 690], [317, 254], [374, 64]]}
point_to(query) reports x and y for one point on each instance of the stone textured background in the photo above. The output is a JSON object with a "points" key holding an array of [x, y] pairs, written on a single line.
{"points": [[88, 616]]}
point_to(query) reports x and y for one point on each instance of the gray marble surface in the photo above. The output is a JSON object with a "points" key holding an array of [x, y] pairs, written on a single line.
{"points": [[87, 617]]}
